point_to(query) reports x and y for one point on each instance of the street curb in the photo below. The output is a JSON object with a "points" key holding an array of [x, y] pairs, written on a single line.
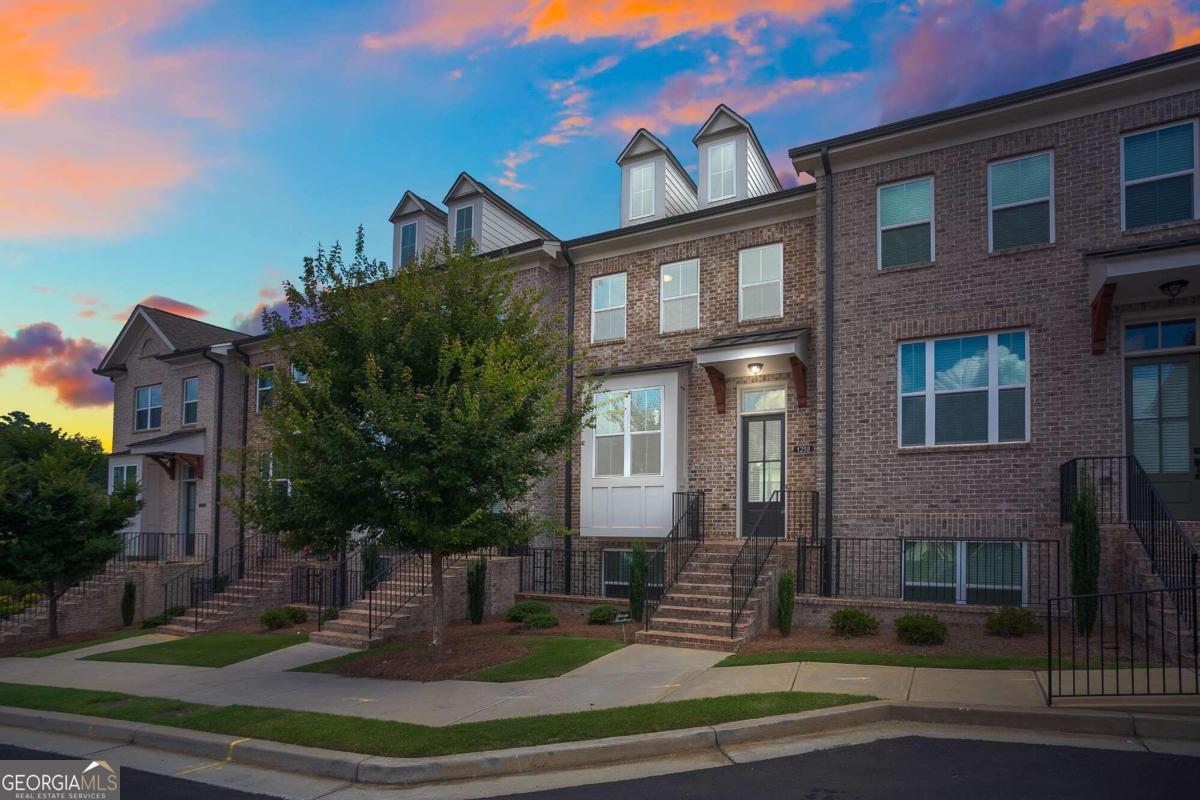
{"points": [[360, 768]]}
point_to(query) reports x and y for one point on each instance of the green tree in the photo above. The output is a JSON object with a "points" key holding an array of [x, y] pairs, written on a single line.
{"points": [[787, 602], [1085, 555], [433, 403], [58, 523]]}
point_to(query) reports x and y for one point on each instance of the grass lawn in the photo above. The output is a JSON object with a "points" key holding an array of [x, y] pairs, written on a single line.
{"points": [[401, 739], [549, 657], [217, 649], [938, 661], [115, 636]]}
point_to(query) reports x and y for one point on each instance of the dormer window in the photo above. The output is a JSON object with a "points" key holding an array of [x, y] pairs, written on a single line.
{"points": [[721, 176], [464, 221], [408, 244], [641, 191]]}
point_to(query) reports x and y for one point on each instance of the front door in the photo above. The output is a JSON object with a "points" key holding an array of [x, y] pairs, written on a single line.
{"points": [[762, 475], [187, 508], [1163, 421]]}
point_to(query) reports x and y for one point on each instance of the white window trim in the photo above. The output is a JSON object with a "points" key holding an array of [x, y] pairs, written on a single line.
{"points": [[271, 475], [992, 209], [628, 433], [137, 478], [732, 170], [258, 386], [993, 391], [458, 229], [404, 228], [1193, 171], [960, 567], [742, 286], [662, 301], [184, 401], [879, 227], [637, 168], [624, 307], [298, 376], [147, 408]]}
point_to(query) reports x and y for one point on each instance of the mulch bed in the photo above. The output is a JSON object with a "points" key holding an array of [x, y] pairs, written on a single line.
{"points": [[23, 644], [963, 640]]}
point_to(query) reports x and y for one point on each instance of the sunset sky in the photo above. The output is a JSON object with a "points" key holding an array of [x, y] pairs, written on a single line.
{"points": [[187, 154]]}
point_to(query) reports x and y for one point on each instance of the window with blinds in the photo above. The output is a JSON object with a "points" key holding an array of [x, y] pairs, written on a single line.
{"points": [[608, 307], [1161, 410], [679, 307], [1021, 202], [408, 243], [1158, 175], [963, 390], [975, 572], [760, 282], [905, 230]]}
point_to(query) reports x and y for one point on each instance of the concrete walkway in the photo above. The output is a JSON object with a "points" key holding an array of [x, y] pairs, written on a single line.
{"points": [[632, 675]]}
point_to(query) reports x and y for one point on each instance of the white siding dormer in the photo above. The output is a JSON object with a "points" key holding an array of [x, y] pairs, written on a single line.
{"points": [[727, 136], [417, 226], [494, 223], [654, 184]]}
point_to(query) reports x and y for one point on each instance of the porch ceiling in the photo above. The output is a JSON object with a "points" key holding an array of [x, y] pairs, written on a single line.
{"points": [[733, 355], [1136, 273]]}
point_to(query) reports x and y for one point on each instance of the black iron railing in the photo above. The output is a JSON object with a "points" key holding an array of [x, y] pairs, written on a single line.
{"points": [[976, 570], [671, 555], [1123, 643], [160, 546], [549, 570], [751, 558], [1126, 495], [403, 579]]}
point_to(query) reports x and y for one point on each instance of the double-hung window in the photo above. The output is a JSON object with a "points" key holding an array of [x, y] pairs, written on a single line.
{"points": [[641, 191], [124, 475], [628, 432], [905, 233], [608, 307], [275, 476], [263, 386], [760, 282], [680, 296], [721, 171], [1158, 176], [964, 390], [147, 408], [464, 226], [191, 401], [1021, 202], [408, 243]]}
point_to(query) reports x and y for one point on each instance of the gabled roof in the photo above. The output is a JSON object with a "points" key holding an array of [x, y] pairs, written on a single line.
{"points": [[509, 208], [657, 144], [177, 332], [742, 122], [415, 202]]}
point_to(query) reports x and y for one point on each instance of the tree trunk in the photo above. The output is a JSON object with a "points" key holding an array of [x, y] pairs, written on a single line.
{"points": [[439, 605], [52, 618]]}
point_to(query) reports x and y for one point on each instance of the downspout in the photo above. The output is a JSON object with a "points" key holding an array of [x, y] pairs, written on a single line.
{"points": [[827, 562], [569, 465], [242, 458], [216, 472]]}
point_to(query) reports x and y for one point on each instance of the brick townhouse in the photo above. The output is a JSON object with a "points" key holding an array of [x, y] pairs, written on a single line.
{"points": [[878, 373]]}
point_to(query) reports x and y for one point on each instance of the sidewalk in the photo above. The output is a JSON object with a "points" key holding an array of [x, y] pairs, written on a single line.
{"points": [[634, 675]]}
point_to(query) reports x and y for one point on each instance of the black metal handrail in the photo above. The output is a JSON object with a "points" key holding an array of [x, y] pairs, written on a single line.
{"points": [[1126, 495], [164, 546], [1142, 642], [548, 570], [674, 551], [750, 560]]}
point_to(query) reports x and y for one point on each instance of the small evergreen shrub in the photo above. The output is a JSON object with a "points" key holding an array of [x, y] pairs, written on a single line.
{"points": [[296, 616], [602, 614], [921, 629], [541, 621], [174, 611], [329, 613], [1012, 621], [787, 602], [522, 611], [1084, 547], [274, 619], [476, 589], [127, 601], [637, 582], [163, 618], [853, 622]]}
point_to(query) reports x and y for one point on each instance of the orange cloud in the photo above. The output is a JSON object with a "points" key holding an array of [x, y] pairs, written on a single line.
{"points": [[164, 303], [56, 362], [33, 69], [1140, 16]]}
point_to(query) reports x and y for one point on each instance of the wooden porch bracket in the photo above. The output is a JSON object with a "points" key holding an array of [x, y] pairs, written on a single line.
{"points": [[195, 462], [800, 378], [1101, 306], [166, 462], [717, 379]]}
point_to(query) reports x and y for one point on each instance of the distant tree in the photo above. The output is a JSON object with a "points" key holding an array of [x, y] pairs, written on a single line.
{"points": [[432, 404], [58, 523]]}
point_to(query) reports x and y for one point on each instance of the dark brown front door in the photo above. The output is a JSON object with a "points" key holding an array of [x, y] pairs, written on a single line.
{"points": [[1163, 421], [762, 475]]}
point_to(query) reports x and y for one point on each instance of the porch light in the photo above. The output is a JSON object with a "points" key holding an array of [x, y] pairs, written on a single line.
{"points": [[1173, 289], [755, 368]]}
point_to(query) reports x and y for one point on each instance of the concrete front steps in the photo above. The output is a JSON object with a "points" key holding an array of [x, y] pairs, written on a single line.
{"points": [[696, 611], [351, 628], [243, 600]]}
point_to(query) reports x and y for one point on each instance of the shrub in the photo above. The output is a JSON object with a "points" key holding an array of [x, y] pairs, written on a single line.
{"points": [[787, 602], [163, 618], [329, 613], [1085, 555], [522, 611], [602, 614], [476, 589], [541, 621], [1012, 621], [127, 600], [637, 581], [921, 629], [174, 611], [296, 616], [274, 619], [853, 622]]}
